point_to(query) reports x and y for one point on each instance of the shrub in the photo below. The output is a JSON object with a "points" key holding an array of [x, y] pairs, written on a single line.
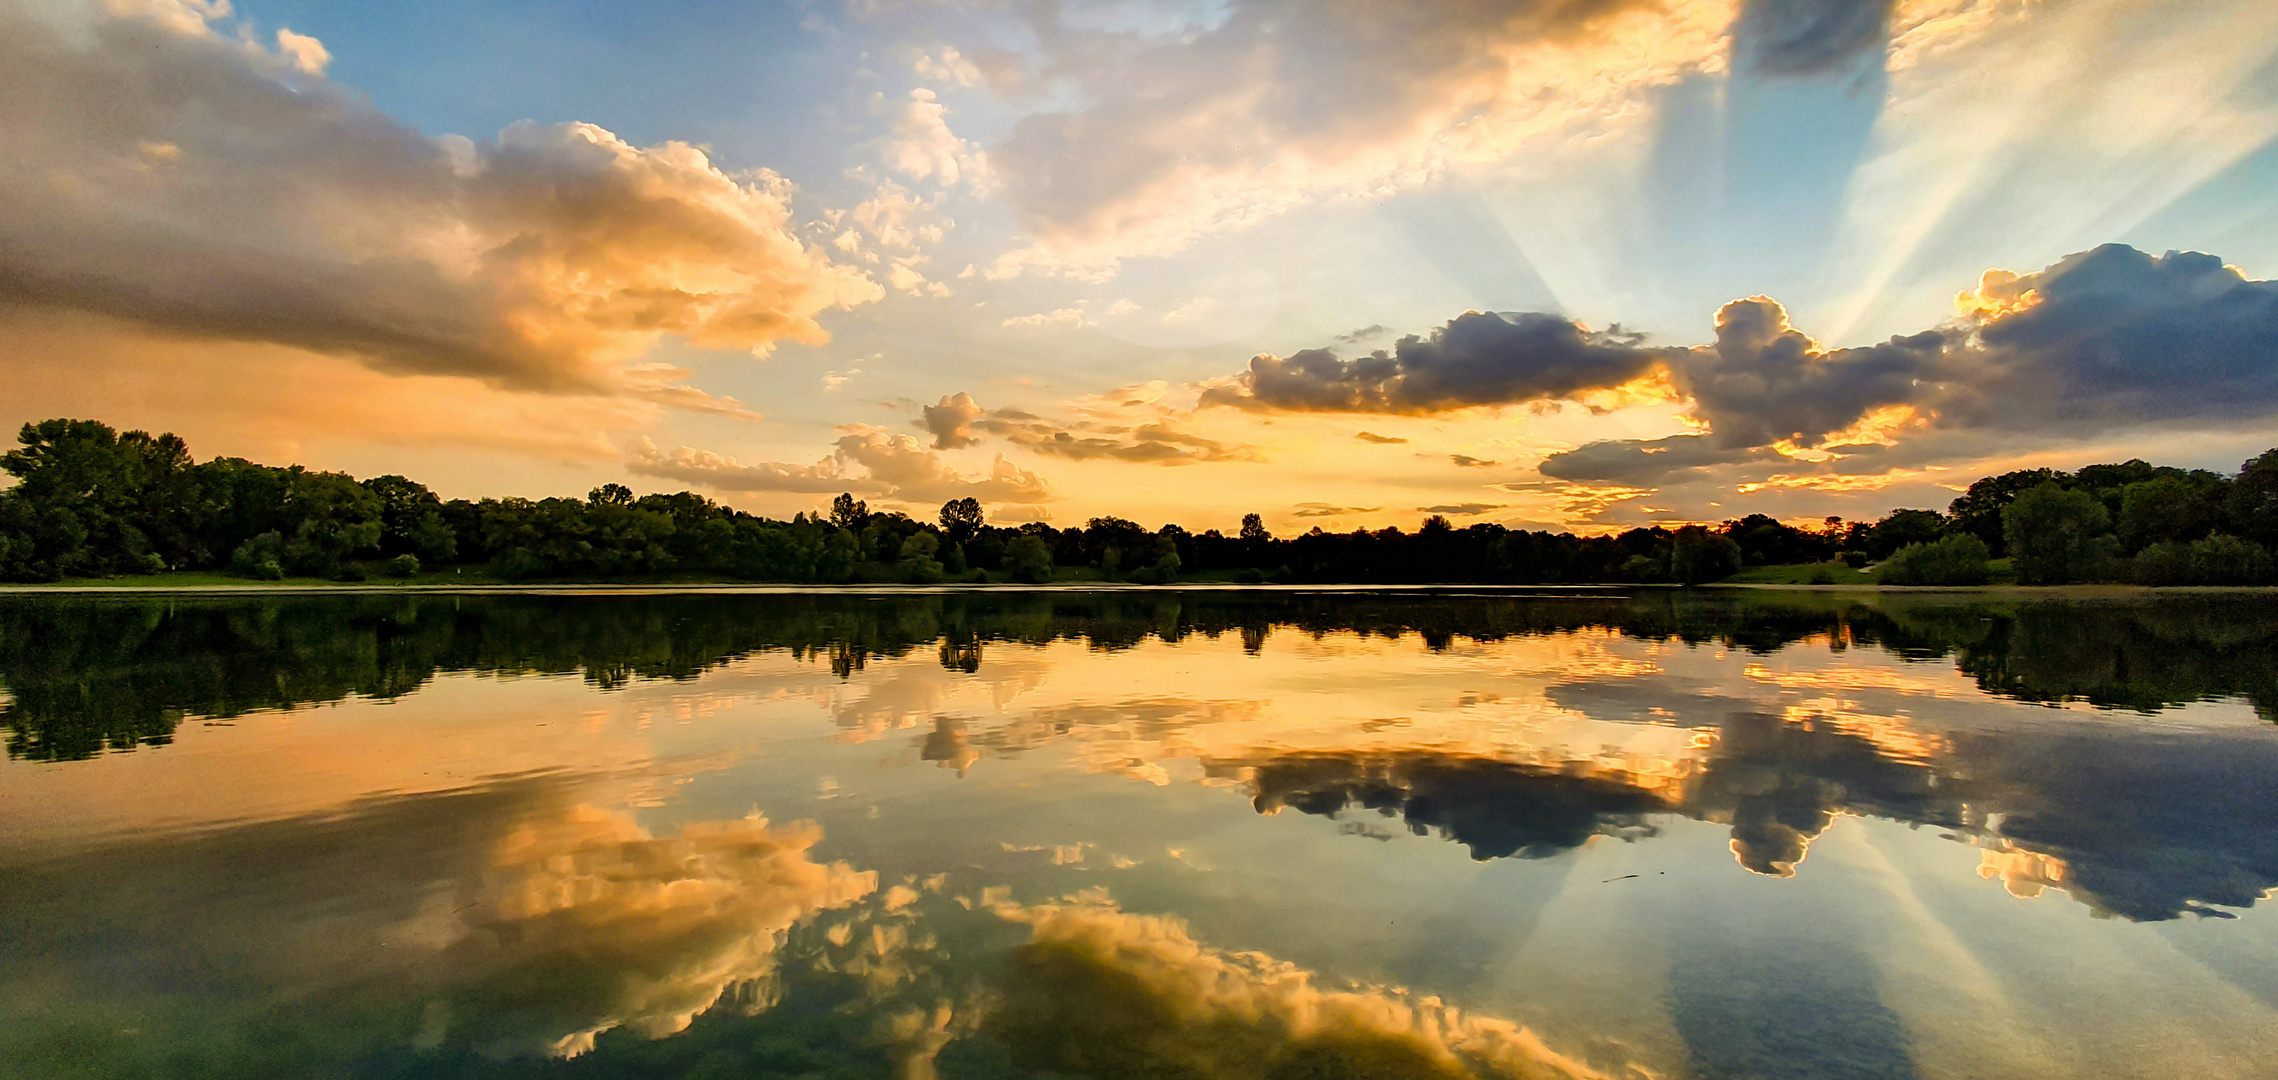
{"points": [[1954, 560], [403, 566], [1821, 575], [2228, 560], [262, 558]]}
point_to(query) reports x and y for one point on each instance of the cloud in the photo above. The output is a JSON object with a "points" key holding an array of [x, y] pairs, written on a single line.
{"points": [[1808, 37], [1324, 510], [1281, 102], [951, 421], [923, 148], [958, 421], [1154, 444], [1466, 461], [1383, 440], [1476, 359], [893, 466], [1469, 509], [2107, 339], [1099, 991], [168, 174], [722, 473], [1067, 316]]}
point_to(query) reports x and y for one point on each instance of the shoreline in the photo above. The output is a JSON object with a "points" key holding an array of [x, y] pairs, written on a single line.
{"points": [[2087, 591]]}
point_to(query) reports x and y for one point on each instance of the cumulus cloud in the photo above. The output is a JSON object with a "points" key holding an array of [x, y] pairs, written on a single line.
{"points": [[661, 926], [2105, 339], [892, 466], [1282, 101], [169, 174], [951, 421], [923, 147], [1098, 990], [1478, 358]]}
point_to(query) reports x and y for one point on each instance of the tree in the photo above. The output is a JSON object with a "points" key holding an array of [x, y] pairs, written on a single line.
{"points": [[1903, 527], [2052, 533], [1029, 560], [848, 512], [1978, 510], [1697, 556], [411, 520], [2253, 502], [961, 518], [2175, 507], [610, 495], [332, 517], [1254, 530]]}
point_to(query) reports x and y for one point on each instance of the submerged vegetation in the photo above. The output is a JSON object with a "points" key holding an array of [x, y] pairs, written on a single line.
{"points": [[91, 502]]}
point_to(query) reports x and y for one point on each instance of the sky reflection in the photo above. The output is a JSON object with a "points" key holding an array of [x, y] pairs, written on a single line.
{"points": [[946, 836]]}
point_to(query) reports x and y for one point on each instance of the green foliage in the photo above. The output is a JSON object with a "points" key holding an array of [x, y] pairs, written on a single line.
{"points": [[1904, 527], [89, 501], [1029, 560], [2053, 534], [403, 566], [961, 518], [1699, 556], [2216, 560], [1959, 559]]}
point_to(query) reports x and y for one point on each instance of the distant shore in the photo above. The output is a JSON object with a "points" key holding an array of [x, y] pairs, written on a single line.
{"points": [[158, 584]]}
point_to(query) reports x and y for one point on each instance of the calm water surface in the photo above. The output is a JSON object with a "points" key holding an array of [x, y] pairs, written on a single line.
{"points": [[1150, 834]]}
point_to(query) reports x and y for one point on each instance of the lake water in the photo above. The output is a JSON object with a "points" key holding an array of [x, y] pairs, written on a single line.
{"points": [[1147, 833]]}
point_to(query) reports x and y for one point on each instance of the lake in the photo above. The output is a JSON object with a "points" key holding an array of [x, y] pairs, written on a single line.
{"points": [[1158, 833]]}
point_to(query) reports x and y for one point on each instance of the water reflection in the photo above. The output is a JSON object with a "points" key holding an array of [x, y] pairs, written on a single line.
{"points": [[1159, 834], [85, 675]]}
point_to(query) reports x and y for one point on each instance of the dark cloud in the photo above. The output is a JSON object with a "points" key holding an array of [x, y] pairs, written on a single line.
{"points": [[1468, 509], [1808, 37], [1322, 510], [1765, 382], [2115, 335], [1466, 461], [1372, 437], [1363, 334], [1637, 462], [2103, 340], [1476, 359]]}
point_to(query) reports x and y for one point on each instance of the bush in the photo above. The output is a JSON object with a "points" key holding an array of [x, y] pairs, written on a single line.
{"points": [[349, 572], [2228, 560], [261, 558], [1856, 560], [403, 566], [1955, 560], [1821, 575]]}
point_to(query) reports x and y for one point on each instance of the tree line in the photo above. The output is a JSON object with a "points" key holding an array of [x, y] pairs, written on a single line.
{"points": [[89, 501]]}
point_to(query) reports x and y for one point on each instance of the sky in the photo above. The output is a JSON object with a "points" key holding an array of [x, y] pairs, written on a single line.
{"points": [[1569, 264]]}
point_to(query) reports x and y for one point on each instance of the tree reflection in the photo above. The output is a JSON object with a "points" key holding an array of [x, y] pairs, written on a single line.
{"points": [[88, 675]]}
